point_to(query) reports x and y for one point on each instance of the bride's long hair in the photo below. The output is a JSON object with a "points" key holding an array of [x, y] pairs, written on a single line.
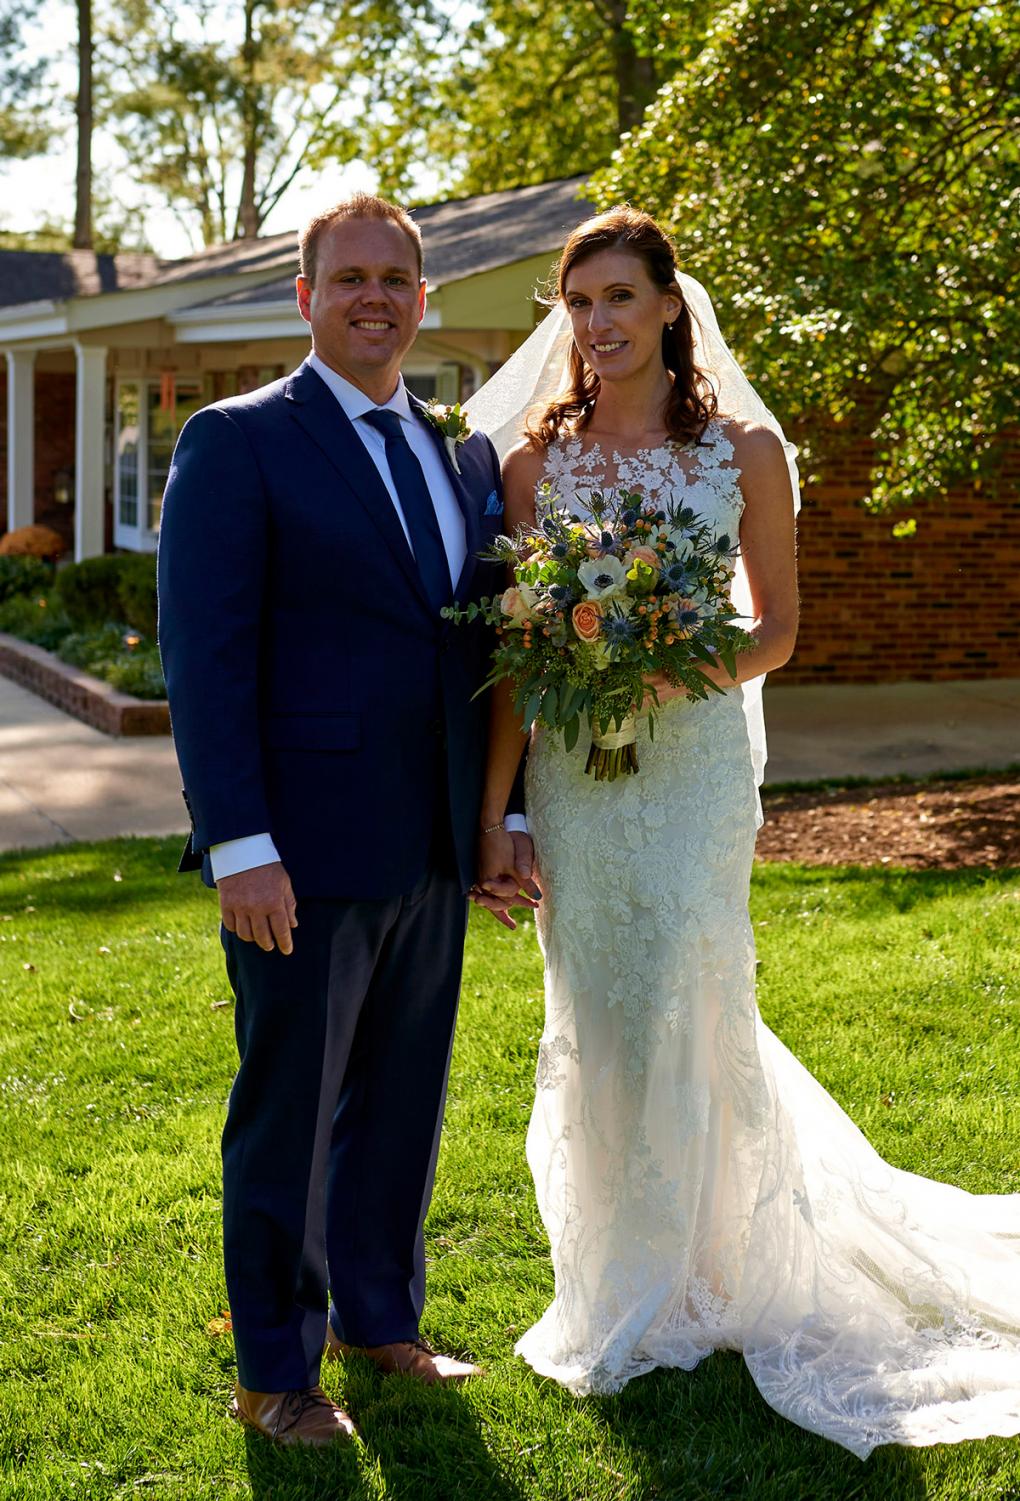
{"points": [[691, 403]]}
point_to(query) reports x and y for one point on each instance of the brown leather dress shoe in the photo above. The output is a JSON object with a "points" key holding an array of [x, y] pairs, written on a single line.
{"points": [[409, 1357], [305, 1417]]}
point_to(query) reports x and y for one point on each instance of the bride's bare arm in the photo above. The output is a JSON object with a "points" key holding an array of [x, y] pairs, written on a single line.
{"points": [[522, 469], [768, 546]]}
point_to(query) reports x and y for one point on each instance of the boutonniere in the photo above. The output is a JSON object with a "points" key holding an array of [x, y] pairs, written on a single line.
{"points": [[451, 423]]}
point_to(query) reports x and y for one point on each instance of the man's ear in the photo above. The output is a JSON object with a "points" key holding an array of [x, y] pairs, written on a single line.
{"points": [[303, 288], [422, 299]]}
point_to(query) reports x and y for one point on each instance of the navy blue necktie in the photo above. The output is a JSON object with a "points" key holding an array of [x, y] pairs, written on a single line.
{"points": [[416, 504]]}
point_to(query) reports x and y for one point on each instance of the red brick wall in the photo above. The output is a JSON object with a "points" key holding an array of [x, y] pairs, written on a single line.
{"points": [[944, 603], [54, 448]]}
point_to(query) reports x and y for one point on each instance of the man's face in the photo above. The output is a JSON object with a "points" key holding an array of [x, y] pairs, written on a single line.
{"points": [[367, 302]]}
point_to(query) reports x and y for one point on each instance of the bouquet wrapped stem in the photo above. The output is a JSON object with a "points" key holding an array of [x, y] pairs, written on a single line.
{"points": [[601, 605], [613, 752]]}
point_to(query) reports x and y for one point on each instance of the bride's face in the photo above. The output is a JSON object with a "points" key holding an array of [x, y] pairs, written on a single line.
{"points": [[617, 313]]}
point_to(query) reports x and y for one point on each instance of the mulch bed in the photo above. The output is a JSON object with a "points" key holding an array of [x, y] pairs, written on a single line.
{"points": [[924, 825]]}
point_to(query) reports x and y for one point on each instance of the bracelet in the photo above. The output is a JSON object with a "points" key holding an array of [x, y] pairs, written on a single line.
{"points": [[495, 828]]}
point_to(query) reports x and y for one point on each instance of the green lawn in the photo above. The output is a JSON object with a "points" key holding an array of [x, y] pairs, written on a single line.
{"points": [[901, 991]]}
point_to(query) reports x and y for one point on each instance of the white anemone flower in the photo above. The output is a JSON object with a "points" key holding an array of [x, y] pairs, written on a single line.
{"points": [[603, 577]]}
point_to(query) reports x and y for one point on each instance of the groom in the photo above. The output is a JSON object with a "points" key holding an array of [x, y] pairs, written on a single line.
{"points": [[332, 756]]}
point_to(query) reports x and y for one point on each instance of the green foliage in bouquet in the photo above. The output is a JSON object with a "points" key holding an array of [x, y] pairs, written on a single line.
{"points": [[599, 606]]}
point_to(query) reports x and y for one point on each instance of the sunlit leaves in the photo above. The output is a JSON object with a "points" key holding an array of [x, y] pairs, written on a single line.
{"points": [[846, 180]]}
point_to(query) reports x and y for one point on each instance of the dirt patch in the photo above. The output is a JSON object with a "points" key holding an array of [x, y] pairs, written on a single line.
{"points": [[929, 825]]}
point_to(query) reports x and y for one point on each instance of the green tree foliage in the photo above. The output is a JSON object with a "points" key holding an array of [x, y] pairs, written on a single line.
{"points": [[529, 90], [24, 127], [845, 177], [219, 107]]}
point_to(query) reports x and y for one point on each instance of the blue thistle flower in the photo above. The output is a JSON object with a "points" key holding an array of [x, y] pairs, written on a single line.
{"points": [[618, 629]]}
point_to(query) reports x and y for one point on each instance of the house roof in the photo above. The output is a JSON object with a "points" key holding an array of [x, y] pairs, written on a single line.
{"points": [[463, 237], [53, 275]]}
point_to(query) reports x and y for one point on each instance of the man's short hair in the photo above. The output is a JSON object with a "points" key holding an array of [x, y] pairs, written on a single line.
{"points": [[358, 206]]}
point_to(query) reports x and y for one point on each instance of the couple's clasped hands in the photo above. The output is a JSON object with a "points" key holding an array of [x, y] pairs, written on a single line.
{"points": [[505, 879]]}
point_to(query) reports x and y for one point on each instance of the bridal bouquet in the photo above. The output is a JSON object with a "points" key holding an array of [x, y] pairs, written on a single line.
{"points": [[599, 604]]}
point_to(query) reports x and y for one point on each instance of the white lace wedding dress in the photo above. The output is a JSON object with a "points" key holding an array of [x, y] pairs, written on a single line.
{"points": [[700, 1190]]}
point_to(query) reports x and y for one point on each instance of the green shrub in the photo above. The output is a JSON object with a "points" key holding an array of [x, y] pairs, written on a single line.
{"points": [[138, 672], [138, 592], [90, 648], [37, 618], [103, 651], [90, 591], [23, 575], [117, 588]]}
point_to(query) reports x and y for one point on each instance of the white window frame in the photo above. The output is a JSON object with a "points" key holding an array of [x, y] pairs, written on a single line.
{"points": [[140, 537], [130, 537]]}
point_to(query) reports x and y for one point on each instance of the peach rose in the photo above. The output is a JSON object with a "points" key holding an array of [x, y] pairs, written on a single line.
{"points": [[517, 604], [642, 555], [587, 620]]}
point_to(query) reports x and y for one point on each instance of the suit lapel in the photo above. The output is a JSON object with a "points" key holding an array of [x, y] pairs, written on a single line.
{"points": [[314, 406], [465, 500]]}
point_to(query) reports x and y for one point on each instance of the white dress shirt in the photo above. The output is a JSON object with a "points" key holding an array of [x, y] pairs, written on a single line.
{"points": [[235, 855]]}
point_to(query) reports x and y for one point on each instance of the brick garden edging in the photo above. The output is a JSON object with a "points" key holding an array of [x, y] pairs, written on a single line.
{"points": [[80, 694]]}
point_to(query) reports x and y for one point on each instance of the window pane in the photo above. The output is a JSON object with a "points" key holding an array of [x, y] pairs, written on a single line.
{"points": [[127, 454], [166, 418], [422, 386]]}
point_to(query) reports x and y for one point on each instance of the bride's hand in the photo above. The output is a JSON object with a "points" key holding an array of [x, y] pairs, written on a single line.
{"points": [[500, 879], [663, 688], [718, 675]]}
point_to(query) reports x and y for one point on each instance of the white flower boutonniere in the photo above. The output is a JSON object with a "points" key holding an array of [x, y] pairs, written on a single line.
{"points": [[452, 424]]}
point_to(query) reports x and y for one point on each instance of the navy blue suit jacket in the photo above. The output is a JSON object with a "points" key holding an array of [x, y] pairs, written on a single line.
{"points": [[313, 692]]}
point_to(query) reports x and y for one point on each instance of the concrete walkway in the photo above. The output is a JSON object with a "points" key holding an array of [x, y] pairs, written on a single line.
{"points": [[61, 780]]}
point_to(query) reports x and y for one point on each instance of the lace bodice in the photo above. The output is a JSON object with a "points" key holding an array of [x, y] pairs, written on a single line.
{"points": [[703, 477]]}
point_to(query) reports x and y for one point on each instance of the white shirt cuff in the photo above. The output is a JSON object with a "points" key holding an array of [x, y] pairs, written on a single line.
{"points": [[516, 823], [235, 855]]}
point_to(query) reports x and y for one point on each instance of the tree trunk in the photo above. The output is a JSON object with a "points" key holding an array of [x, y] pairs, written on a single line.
{"points": [[248, 219], [83, 178], [635, 74]]}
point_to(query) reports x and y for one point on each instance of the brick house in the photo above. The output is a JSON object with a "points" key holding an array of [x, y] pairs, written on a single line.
{"points": [[107, 356]]}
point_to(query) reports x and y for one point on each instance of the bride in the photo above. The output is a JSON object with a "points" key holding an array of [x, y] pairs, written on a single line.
{"points": [[700, 1190]]}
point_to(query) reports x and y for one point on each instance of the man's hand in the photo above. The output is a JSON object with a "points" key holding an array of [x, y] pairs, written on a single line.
{"points": [[505, 864], [259, 906]]}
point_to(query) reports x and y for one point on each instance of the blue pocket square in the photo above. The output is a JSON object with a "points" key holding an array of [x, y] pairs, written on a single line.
{"points": [[493, 505]]}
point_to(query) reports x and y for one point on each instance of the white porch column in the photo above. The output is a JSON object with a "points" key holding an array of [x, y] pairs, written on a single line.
{"points": [[20, 437], [90, 417]]}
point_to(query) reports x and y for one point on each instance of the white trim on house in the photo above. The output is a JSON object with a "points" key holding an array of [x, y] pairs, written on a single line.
{"points": [[89, 435], [20, 437], [48, 320]]}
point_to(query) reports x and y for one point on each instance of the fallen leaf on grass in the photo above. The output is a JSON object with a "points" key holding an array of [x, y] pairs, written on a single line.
{"points": [[222, 1325], [218, 1005], [103, 950], [29, 967]]}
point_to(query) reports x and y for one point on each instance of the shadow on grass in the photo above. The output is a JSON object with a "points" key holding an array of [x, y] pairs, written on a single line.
{"points": [[424, 1443], [709, 1433]]}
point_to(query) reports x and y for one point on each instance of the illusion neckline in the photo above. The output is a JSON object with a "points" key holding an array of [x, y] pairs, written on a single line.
{"points": [[671, 445]]}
